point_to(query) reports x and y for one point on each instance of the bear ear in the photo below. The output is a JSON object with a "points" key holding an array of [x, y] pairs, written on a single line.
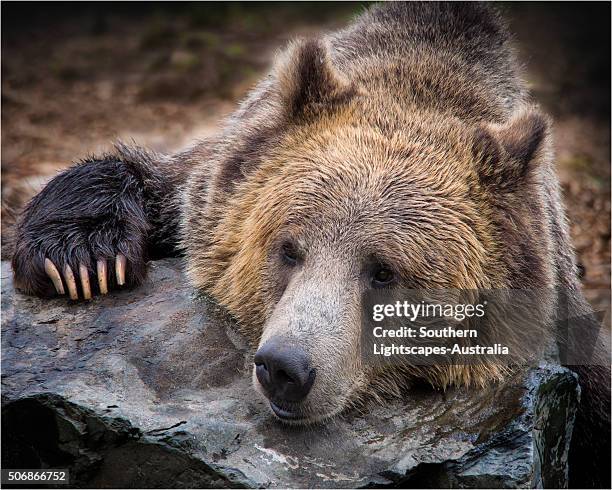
{"points": [[506, 153], [308, 81]]}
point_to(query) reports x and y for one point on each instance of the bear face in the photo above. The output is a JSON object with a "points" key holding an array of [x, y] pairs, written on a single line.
{"points": [[351, 192]]}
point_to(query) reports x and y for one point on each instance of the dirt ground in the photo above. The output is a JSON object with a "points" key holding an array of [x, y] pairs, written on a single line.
{"points": [[77, 77]]}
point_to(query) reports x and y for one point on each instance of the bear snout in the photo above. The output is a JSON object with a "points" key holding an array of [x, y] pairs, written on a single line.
{"points": [[284, 371]]}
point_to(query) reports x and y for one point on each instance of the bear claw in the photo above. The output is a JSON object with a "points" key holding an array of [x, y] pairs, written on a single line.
{"points": [[120, 269], [55, 276], [71, 283], [101, 270], [84, 273]]}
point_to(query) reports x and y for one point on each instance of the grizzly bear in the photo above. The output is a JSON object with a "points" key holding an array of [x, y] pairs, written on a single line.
{"points": [[403, 151]]}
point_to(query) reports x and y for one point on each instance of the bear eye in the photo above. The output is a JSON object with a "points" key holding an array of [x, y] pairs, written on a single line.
{"points": [[289, 253], [382, 276]]}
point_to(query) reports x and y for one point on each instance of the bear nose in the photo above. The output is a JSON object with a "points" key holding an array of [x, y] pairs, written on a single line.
{"points": [[283, 371]]}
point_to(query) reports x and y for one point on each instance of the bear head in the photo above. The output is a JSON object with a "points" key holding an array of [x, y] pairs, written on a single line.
{"points": [[329, 189]]}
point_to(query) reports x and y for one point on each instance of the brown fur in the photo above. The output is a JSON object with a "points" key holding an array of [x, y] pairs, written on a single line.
{"points": [[409, 137], [407, 140], [346, 142]]}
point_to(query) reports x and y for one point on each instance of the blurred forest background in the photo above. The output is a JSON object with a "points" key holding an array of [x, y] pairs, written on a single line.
{"points": [[77, 76]]}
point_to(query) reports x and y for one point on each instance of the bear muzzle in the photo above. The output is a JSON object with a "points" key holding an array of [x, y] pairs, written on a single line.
{"points": [[285, 374]]}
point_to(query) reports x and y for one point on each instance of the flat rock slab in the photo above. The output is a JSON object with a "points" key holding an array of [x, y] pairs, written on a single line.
{"points": [[152, 388]]}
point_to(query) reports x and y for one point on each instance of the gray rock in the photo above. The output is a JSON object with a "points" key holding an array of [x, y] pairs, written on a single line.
{"points": [[151, 388]]}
